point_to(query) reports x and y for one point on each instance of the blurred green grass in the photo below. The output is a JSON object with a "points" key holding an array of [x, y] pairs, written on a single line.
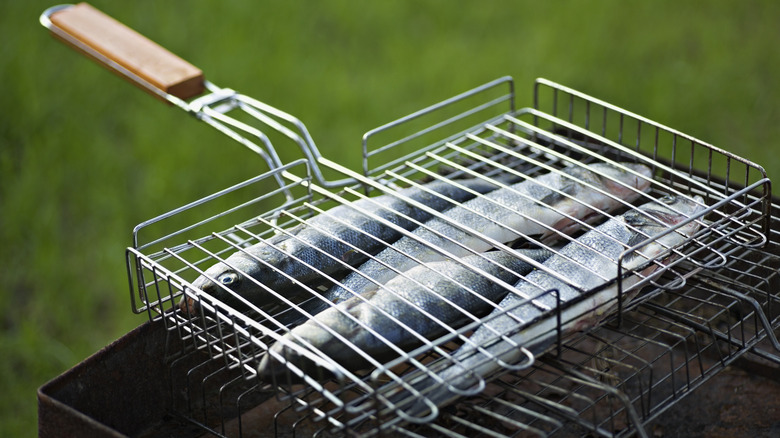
{"points": [[84, 156]]}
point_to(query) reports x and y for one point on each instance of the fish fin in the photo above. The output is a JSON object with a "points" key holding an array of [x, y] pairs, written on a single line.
{"points": [[636, 239]]}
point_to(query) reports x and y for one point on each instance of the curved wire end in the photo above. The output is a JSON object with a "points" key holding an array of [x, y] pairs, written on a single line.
{"points": [[468, 392], [520, 365], [45, 16], [432, 407]]}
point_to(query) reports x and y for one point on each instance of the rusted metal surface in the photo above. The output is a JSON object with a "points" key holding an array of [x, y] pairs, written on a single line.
{"points": [[118, 392], [736, 403], [112, 394]]}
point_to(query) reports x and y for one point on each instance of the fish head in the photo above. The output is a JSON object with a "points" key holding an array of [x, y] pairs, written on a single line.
{"points": [[651, 220], [668, 211], [226, 281]]}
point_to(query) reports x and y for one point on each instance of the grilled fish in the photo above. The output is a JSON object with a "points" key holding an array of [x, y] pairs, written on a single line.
{"points": [[587, 263], [553, 201], [421, 304], [326, 242]]}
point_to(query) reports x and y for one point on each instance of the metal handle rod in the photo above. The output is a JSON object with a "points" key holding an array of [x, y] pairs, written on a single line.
{"points": [[170, 78]]}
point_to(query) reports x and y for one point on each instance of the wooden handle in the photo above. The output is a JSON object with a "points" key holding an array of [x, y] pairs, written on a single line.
{"points": [[126, 52]]}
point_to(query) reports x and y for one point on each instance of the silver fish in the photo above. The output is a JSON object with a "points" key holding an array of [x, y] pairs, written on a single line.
{"points": [[421, 304], [581, 266], [327, 243], [553, 201]]}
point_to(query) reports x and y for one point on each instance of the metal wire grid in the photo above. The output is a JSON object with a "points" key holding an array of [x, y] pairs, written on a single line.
{"points": [[227, 336], [617, 379], [609, 382], [750, 237], [654, 360], [165, 256], [673, 279], [686, 160]]}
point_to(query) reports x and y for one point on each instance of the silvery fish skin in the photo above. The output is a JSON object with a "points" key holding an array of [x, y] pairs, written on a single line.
{"points": [[582, 265], [418, 305], [327, 243], [524, 209]]}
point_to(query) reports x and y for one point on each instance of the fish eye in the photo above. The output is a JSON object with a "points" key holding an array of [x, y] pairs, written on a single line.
{"points": [[634, 218], [229, 279], [668, 199]]}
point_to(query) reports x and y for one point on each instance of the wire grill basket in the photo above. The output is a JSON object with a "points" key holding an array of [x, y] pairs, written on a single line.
{"points": [[666, 327], [710, 306]]}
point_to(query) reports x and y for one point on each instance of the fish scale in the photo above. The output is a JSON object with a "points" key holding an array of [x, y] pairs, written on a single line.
{"points": [[580, 266], [503, 215], [326, 243], [423, 304]]}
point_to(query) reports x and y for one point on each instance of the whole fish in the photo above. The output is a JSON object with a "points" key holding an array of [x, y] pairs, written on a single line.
{"points": [[554, 200], [327, 243], [421, 304], [584, 264]]}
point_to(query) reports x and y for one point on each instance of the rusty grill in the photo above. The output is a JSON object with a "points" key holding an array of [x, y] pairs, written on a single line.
{"points": [[709, 301]]}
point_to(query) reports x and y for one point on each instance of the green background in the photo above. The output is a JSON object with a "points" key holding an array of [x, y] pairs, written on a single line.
{"points": [[84, 156]]}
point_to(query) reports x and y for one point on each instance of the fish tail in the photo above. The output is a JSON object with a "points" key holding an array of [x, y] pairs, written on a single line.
{"points": [[421, 399], [464, 375], [423, 394]]}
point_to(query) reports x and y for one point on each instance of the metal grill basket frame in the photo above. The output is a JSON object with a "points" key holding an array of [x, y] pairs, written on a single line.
{"points": [[228, 337], [708, 303]]}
